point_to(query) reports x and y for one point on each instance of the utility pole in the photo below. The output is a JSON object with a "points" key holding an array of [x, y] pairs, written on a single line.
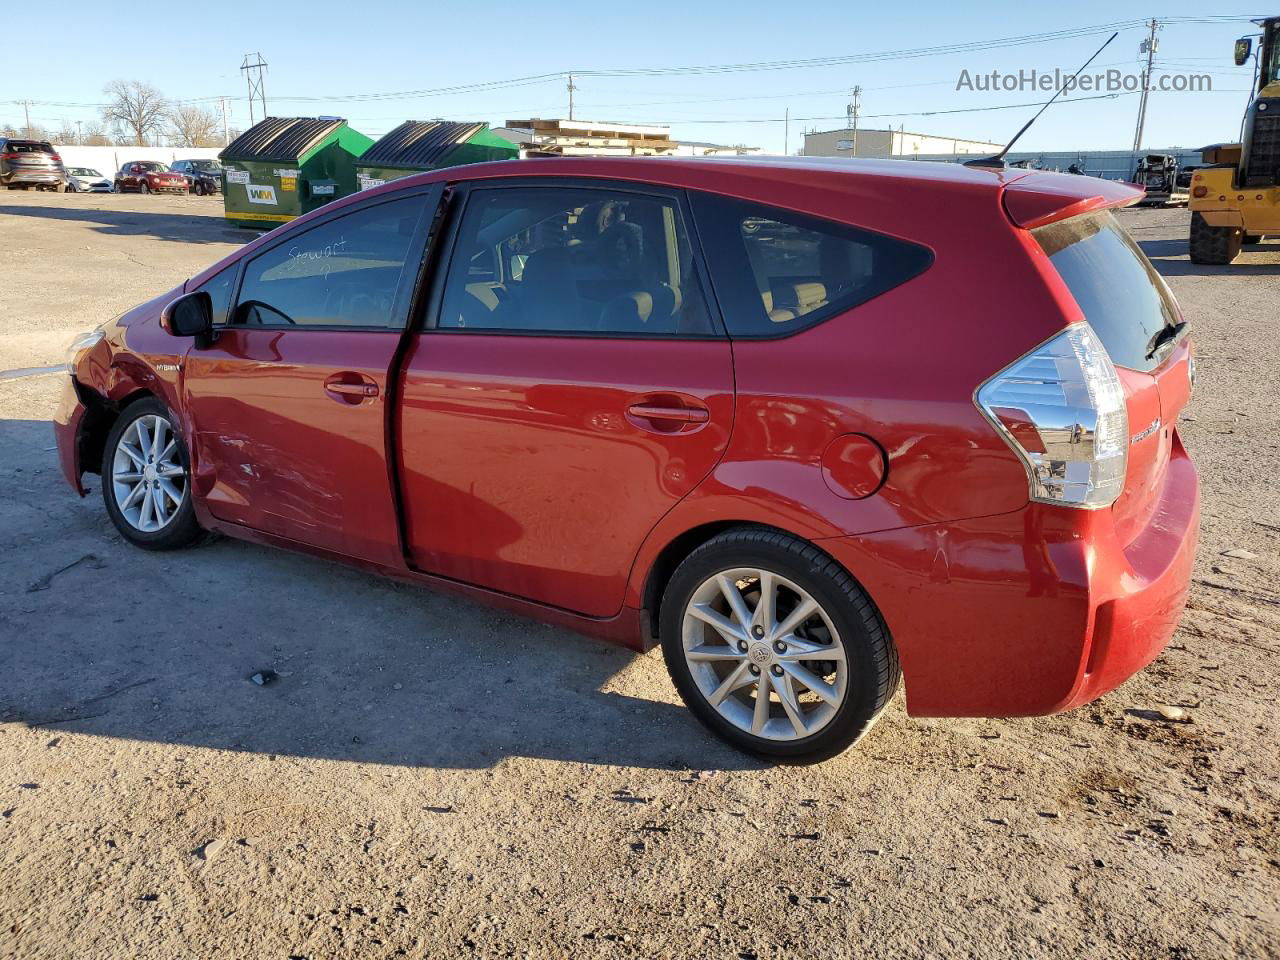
{"points": [[786, 132], [226, 136], [26, 109], [571, 87], [855, 102], [1149, 47], [79, 138], [253, 73]]}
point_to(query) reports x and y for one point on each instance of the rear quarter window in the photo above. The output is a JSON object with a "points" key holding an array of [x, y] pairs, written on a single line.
{"points": [[1117, 289], [777, 272]]}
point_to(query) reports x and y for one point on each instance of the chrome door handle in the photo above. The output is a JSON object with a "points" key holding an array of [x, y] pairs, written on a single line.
{"points": [[353, 389], [647, 411]]}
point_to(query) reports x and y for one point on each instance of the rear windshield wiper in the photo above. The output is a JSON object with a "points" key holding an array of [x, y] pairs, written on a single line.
{"points": [[1165, 335]]}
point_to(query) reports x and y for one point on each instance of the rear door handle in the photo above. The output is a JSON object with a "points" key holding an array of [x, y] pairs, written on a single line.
{"points": [[649, 411]]}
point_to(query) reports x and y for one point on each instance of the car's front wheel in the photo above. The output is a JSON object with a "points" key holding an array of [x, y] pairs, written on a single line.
{"points": [[146, 478], [775, 647], [143, 188]]}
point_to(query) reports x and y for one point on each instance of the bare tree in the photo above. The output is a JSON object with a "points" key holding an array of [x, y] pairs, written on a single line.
{"points": [[8, 130], [136, 108], [95, 135], [193, 126], [67, 134]]}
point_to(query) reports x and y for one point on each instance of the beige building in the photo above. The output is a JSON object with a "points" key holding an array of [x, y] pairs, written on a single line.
{"points": [[890, 143]]}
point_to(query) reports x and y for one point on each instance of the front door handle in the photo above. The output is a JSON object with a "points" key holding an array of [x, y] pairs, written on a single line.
{"points": [[352, 388]]}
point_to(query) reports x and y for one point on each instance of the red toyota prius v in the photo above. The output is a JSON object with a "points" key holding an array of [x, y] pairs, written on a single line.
{"points": [[817, 428]]}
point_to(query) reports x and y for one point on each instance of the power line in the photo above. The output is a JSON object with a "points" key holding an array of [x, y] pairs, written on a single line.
{"points": [[906, 113], [710, 69]]}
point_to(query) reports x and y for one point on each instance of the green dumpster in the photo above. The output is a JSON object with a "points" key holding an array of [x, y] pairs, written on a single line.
{"points": [[417, 145], [284, 167]]}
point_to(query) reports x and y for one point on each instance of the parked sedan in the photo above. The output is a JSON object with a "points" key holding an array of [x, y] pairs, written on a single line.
{"points": [[148, 176], [204, 177], [773, 416], [85, 180]]}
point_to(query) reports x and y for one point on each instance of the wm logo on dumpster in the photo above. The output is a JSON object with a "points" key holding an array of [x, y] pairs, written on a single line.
{"points": [[261, 194]]}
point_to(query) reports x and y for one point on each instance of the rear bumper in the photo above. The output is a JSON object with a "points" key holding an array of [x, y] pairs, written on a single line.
{"points": [[1034, 612], [41, 177], [67, 421]]}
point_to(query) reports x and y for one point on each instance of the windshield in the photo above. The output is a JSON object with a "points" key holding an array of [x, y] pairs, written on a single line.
{"points": [[208, 166], [84, 172], [150, 167], [1117, 289]]}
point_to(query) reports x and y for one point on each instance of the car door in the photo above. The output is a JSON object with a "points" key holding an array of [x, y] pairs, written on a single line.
{"points": [[289, 405], [570, 387]]}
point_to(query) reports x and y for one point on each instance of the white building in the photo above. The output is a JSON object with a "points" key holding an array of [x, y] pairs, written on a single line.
{"points": [[890, 143]]}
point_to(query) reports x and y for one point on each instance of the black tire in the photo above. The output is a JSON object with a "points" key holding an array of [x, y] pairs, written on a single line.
{"points": [[68, 188], [1253, 238], [1214, 245], [873, 670], [182, 529], [143, 188]]}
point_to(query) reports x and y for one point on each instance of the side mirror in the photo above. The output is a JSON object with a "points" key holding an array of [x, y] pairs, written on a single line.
{"points": [[1244, 48], [191, 315]]}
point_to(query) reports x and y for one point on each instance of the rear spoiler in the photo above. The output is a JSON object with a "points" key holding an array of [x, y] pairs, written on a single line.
{"points": [[1038, 199]]}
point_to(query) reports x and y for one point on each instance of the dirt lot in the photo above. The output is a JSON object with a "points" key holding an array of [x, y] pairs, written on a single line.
{"points": [[428, 778]]}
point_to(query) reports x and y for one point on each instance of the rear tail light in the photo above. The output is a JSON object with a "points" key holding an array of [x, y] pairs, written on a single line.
{"points": [[55, 158], [9, 156], [1200, 191], [1062, 410]]}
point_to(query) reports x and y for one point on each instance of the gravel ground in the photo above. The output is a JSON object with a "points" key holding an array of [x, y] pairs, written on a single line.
{"points": [[427, 778]]}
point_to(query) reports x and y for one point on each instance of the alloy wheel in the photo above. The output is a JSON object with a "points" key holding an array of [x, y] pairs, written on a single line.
{"points": [[764, 654], [148, 478]]}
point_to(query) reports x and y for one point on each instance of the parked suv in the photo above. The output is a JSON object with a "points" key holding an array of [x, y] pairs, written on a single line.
{"points": [[773, 415], [149, 176], [204, 177], [30, 163]]}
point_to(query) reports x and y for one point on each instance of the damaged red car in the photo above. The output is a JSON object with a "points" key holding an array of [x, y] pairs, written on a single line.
{"points": [[817, 428]]}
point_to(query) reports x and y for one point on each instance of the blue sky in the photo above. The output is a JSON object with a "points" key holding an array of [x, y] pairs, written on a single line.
{"points": [[334, 50]]}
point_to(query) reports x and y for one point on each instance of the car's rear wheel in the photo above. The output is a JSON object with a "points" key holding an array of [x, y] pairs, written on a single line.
{"points": [[774, 647], [146, 474]]}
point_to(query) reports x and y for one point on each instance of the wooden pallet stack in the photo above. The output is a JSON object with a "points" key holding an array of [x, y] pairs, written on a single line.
{"points": [[581, 138]]}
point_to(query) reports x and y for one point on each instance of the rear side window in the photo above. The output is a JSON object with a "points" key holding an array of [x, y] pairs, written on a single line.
{"points": [[777, 271], [553, 259], [1122, 296]]}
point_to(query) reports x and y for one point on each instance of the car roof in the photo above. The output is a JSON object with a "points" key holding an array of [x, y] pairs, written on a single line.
{"points": [[1037, 197]]}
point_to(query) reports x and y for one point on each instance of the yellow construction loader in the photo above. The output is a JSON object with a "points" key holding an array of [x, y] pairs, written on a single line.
{"points": [[1236, 199]]}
